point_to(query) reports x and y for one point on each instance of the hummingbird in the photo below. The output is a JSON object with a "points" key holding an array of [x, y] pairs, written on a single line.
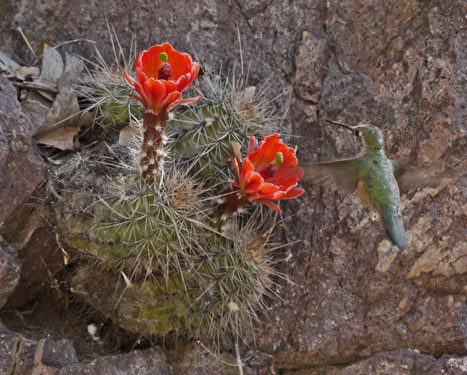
{"points": [[372, 174]]}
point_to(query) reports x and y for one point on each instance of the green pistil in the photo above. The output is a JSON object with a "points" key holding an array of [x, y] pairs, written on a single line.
{"points": [[279, 159], [163, 56]]}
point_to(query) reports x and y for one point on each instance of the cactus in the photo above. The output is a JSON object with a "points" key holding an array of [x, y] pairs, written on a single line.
{"points": [[202, 136], [154, 230], [142, 227], [225, 288], [105, 91]]}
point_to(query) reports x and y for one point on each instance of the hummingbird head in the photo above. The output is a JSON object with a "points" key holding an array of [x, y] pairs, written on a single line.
{"points": [[372, 136]]}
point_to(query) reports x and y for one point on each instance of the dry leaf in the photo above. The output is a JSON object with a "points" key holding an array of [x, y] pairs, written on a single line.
{"points": [[47, 94], [65, 108], [37, 112], [27, 71], [63, 138], [75, 66], [62, 122], [52, 64], [127, 135], [236, 149]]}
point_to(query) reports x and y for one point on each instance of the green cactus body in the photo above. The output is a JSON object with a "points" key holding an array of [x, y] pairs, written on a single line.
{"points": [[226, 285], [205, 145], [202, 136], [162, 268], [115, 106], [143, 225], [108, 94]]}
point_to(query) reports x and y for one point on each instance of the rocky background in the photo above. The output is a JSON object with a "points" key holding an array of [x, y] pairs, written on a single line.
{"points": [[349, 308]]}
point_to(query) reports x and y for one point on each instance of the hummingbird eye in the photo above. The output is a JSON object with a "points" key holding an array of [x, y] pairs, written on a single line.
{"points": [[357, 133]]}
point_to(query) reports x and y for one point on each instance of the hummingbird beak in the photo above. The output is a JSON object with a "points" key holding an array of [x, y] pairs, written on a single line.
{"points": [[340, 124]]}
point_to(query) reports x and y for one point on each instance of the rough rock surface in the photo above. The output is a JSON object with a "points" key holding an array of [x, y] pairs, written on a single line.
{"points": [[398, 65], [21, 167], [9, 272], [403, 362], [22, 356], [22, 226]]}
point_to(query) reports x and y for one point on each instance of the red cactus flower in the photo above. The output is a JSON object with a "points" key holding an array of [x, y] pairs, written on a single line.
{"points": [[163, 74], [269, 172]]}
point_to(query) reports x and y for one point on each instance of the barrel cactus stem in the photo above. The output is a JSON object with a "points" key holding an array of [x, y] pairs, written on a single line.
{"points": [[154, 137]]}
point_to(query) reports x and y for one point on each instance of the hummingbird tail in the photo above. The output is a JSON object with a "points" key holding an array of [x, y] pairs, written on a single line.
{"points": [[395, 229]]}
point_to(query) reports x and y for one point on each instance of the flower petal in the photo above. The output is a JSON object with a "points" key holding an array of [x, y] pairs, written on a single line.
{"points": [[149, 62], [270, 205], [142, 77], [172, 97], [143, 102], [188, 100], [252, 182], [194, 73], [286, 176], [182, 82], [252, 146], [266, 151], [267, 189], [170, 86], [289, 157], [155, 90], [129, 79], [261, 179], [247, 166], [294, 193], [237, 168], [156, 93], [180, 64]]}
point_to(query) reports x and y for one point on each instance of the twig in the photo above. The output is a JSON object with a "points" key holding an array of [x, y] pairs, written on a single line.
{"points": [[75, 41], [237, 351], [27, 43], [37, 86]]}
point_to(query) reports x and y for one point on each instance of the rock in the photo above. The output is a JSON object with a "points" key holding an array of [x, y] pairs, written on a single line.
{"points": [[7, 64], [21, 166], [398, 65], [9, 272], [195, 360], [138, 362], [22, 356], [16, 353], [404, 362], [310, 64], [56, 354], [21, 222], [31, 237], [456, 366]]}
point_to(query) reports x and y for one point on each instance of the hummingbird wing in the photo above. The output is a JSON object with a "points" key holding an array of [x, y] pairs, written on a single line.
{"points": [[339, 174], [419, 177]]}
